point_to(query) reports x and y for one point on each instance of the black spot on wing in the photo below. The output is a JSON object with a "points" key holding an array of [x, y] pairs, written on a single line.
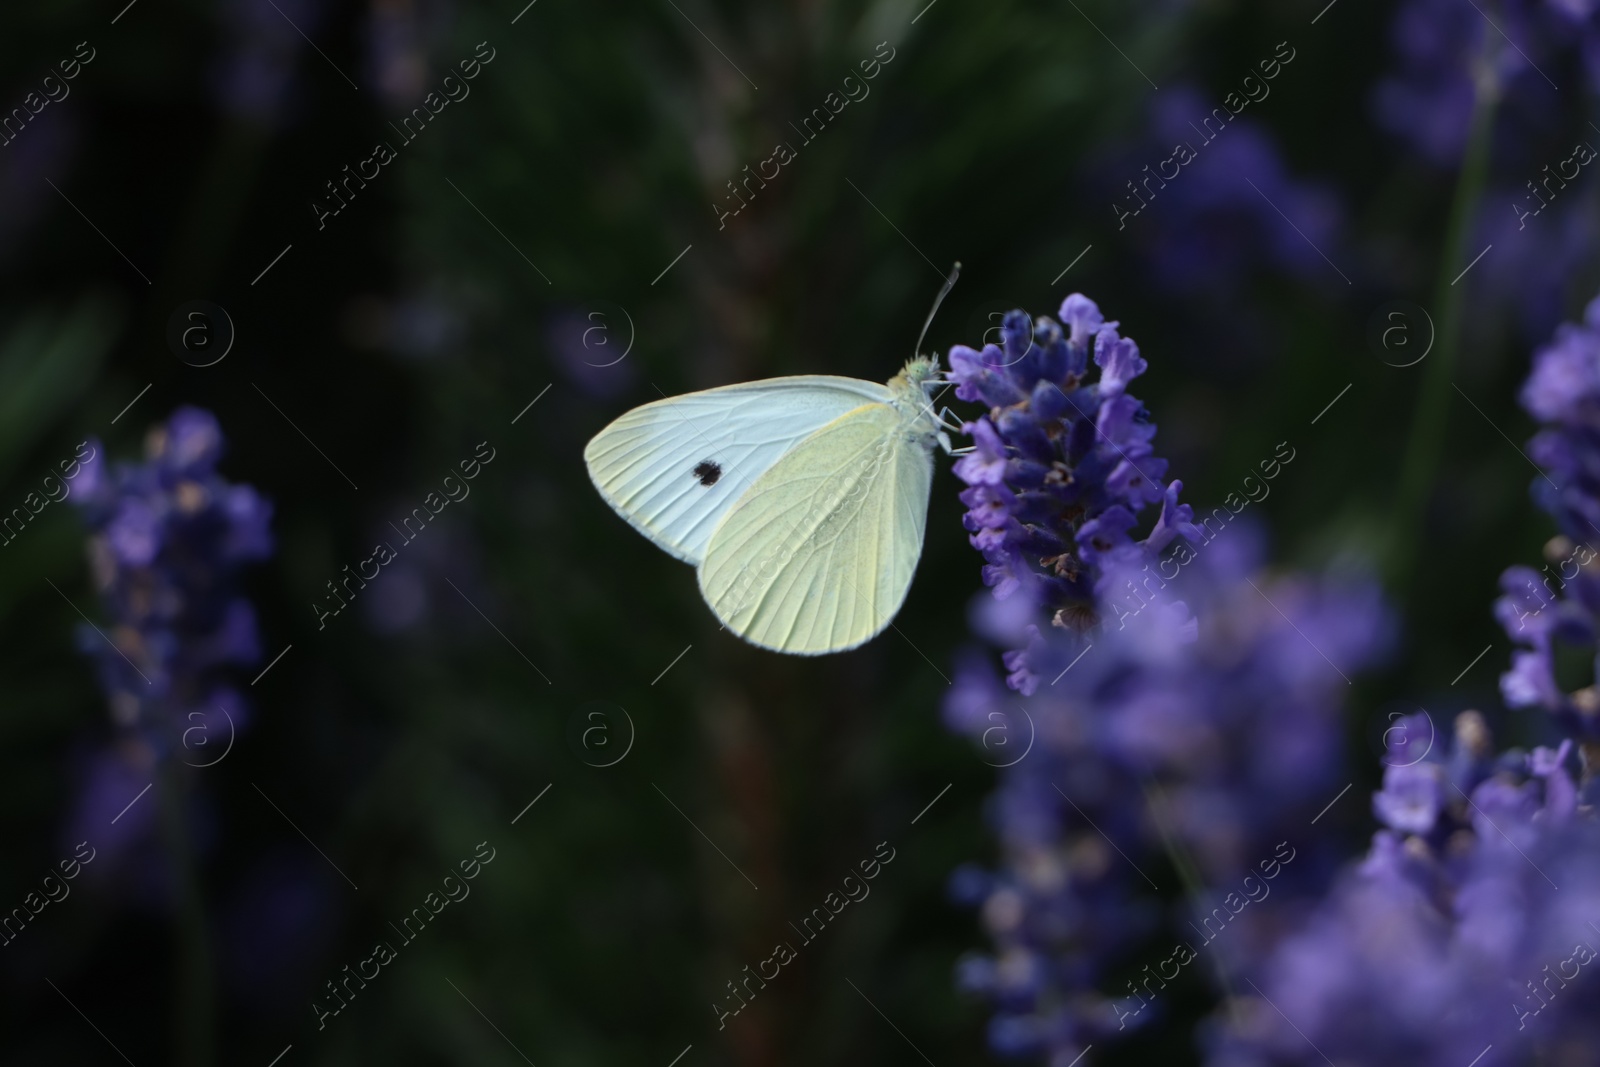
{"points": [[708, 472]]}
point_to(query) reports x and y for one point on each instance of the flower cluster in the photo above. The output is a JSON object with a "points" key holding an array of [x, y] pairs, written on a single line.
{"points": [[1061, 467], [1173, 759], [1457, 62], [168, 539], [1560, 605], [1452, 55], [1179, 722], [1465, 935]]}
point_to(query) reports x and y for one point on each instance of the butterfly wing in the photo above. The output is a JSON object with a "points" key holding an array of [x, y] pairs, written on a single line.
{"points": [[673, 468], [818, 554]]}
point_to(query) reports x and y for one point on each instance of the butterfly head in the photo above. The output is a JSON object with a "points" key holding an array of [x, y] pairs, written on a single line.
{"points": [[920, 372], [914, 388]]}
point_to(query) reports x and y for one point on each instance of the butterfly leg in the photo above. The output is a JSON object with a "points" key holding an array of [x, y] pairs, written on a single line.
{"points": [[950, 421], [946, 419]]}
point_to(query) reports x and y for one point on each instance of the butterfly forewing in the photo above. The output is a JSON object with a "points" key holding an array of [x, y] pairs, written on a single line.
{"points": [[817, 554], [674, 467]]}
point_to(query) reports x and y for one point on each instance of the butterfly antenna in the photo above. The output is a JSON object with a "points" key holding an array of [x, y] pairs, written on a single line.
{"points": [[944, 290]]}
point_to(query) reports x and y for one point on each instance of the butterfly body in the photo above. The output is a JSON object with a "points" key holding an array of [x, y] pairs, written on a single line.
{"points": [[800, 500]]}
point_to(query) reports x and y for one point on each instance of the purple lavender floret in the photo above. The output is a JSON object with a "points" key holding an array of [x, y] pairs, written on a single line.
{"points": [[1560, 604]]}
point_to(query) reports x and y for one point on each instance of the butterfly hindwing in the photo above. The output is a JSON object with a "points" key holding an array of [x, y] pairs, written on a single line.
{"points": [[674, 467], [818, 553]]}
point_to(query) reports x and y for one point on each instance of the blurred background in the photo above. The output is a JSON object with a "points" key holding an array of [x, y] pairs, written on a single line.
{"points": [[560, 233]]}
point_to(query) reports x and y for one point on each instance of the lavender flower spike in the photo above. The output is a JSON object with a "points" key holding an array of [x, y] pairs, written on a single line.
{"points": [[168, 539], [1061, 466]]}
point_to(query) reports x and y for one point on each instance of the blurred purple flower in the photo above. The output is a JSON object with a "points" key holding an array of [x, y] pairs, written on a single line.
{"points": [[397, 60], [168, 539], [1429, 98], [112, 779], [1206, 744], [1220, 217], [1535, 261], [591, 349], [1450, 55], [1410, 798], [1451, 937], [399, 36], [1561, 603], [253, 75]]}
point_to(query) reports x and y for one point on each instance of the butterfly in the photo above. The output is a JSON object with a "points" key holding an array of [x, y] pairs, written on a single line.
{"points": [[801, 501]]}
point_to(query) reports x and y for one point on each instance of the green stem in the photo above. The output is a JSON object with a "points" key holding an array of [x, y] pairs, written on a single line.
{"points": [[1421, 465], [193, 1008]]}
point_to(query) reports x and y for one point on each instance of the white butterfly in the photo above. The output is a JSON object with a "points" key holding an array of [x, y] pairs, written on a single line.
{"points": [[801, 501]]}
